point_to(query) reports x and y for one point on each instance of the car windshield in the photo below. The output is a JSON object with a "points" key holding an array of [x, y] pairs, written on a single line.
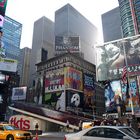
{"points": [[131, 132], [10, 127]]}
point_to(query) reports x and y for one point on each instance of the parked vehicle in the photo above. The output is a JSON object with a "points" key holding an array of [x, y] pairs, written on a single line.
{"points": [[105, 133]]}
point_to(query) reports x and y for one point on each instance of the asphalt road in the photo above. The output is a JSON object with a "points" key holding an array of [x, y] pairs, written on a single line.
{"points": [[50, 136]]}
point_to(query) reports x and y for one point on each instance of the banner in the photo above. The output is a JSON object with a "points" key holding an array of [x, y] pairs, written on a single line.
{"points": [[7, 64], [74, 100], [19, 93], [73, 79], [111, 56], [112, 94], [54, 81], [89, 81], [67, 44], [55, 100]]}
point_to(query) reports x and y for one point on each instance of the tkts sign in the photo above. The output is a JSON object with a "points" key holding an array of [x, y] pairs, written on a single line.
{"points": [[24, 122]]}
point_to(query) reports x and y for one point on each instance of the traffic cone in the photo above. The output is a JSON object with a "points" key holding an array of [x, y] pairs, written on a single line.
{"points": [[36, 136]]}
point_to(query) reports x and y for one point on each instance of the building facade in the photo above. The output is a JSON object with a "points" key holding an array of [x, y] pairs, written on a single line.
{"points": [[42, 43], [11, 37], [70, 23], [69, 86], [130, 17], [24, 61], [111, 24], [9, 55]]}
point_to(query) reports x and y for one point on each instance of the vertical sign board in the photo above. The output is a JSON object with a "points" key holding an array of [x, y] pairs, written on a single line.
{"points": [[19, 93], [73, 79], [88, 92]]}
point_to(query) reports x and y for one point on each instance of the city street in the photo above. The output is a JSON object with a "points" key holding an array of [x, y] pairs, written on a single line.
{"points": [[51, 136]]}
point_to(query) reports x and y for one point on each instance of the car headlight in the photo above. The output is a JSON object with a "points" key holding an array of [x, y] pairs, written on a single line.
{"points": [[19, 135]]}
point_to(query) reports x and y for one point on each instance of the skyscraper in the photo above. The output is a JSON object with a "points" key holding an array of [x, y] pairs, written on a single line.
{"points": [[70, 23], [111, 23], [24, 61], [11, 37], [130, 17], [43, 38]]}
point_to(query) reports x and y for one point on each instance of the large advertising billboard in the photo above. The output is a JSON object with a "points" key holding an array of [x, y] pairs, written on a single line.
{"points": [[54, 81], [89, 92], [112, 93], [118, 90], [67, 44], [56, 100], [111, 57], [73, 79], [7, 64], [74, 101]]}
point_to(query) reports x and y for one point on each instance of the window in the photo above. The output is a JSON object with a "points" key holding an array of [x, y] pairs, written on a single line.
{"points": [[96, 132], [1, 128], [105, 132], [113, 133]]}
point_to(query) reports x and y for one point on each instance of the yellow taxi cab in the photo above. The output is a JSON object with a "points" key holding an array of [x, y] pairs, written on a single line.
{"points": [[10, 132]]}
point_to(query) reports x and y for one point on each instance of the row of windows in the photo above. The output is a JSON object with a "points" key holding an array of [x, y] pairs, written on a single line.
{"points": [[66, 59]]}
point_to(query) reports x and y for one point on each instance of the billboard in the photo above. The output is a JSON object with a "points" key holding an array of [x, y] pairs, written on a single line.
{"points": [[88, 92], [118, 90], [7, 64], [55, 100], [73, 78], [111, 57], [112, 93], [54, 80], [67, 44], [19, 93], [89, 81], [3, 4], [38, 90], [26, 123], [74, 101]]}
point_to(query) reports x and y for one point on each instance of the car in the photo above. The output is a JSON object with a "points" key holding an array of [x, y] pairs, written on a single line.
{"points": [[10, 132], [104, 133]]}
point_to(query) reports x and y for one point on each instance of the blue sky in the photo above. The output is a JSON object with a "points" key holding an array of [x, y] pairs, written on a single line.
{"points": [[28, 11]]}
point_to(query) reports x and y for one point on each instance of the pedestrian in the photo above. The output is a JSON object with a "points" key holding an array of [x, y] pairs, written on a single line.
{"points": [[67, 126], [80, 125]]}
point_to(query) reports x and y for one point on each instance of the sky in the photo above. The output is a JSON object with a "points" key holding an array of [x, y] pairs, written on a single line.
{"points": [[28, 11]]}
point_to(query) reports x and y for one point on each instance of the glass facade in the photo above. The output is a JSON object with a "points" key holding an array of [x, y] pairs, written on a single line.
{"points": [[130, 17], [11, 37], [137, 12]]}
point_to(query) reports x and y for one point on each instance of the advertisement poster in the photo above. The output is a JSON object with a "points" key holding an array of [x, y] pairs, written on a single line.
{"points": [[88, 100], [112, 95], [138, 81], [7, 64], [111, 56], [38, 90], [74, 101], [67, 44], [19, 93], [73, 79], [54, 81], [55, 100], [134, 93], [88, 92]]}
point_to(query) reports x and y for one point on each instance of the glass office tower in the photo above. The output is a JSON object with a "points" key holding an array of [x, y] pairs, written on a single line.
{"points": [[11, 37], [130, 17]]}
